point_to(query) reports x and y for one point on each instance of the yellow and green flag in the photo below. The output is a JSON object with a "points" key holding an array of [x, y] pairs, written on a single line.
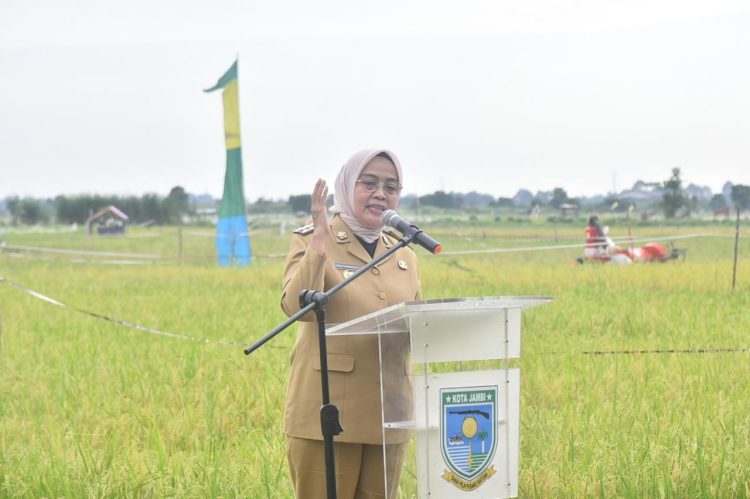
{"points": [[232, 237]]}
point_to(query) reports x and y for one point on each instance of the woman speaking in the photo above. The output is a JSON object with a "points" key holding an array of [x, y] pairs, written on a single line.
{"points": [[321, 255]]}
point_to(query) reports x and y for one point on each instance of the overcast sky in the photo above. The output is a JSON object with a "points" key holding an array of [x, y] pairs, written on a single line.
{"points": [[101, 96]]}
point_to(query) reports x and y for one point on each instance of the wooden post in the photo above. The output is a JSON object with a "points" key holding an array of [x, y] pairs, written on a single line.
{"points": [[736, 248], [630, 230], [179, 232]]}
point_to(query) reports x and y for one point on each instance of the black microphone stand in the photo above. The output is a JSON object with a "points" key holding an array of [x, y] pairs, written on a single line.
{"points": [[317, 300]]}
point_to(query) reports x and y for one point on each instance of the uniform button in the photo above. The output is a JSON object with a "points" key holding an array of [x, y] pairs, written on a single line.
{"points": [[381, 296], [375, 271]]}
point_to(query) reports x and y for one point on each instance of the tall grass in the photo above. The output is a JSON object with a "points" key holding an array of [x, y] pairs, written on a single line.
{"points": [[91, 409]]}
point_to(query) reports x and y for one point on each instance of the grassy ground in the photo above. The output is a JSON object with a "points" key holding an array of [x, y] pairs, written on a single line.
{"points": [[89, 408]]}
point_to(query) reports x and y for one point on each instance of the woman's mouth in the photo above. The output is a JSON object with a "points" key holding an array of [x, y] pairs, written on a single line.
{"points": [[376, 209]]}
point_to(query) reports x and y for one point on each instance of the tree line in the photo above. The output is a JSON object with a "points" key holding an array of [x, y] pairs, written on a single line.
{"points": [[674, 202], [148, 208], [176, 208]]}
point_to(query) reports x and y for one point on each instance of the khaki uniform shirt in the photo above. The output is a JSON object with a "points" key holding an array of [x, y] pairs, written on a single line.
{"points": [[354, 370]]}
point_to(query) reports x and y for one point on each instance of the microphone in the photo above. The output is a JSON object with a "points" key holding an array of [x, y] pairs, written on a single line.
{"points": [[392, 219]]}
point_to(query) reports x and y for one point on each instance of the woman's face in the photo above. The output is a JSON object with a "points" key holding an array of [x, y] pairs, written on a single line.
{"points": [[369, 206]]}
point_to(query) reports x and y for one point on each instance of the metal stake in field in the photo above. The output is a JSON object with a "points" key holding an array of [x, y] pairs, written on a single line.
{"points": [[736, 247], [630, 230]]}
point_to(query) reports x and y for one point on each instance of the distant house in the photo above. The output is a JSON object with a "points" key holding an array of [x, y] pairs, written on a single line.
{"points": [[109, 220], [719, 212], [569, 210], [206, 214]]}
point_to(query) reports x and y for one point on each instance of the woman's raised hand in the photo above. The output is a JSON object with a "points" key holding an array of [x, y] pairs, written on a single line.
{"points": [[321, 224]]}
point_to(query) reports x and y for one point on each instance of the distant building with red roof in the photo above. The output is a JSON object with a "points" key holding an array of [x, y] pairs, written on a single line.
{"points": [[109, 220]]}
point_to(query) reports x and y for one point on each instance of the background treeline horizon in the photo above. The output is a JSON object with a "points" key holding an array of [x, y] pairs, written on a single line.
{"points": [[650, 199]]}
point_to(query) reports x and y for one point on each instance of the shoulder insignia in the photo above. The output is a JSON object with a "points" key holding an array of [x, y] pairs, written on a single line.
{"points": [[305, 229], [392, 234], [391, 237]]}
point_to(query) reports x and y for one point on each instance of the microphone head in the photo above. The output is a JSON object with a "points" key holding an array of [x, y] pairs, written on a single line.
{"points": [[388, 216]]}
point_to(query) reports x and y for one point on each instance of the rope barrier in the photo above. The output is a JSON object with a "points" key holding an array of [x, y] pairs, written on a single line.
{"points": [[153, 257], [215, 235], [563, 246], [146, 259], [132, 325], [668, 351], [41, 249], [119, 322]]}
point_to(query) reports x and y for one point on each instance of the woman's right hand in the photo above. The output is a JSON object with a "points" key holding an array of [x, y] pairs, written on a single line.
{"points": [[321, 224]]}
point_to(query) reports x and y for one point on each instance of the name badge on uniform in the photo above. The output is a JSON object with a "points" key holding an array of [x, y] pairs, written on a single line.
{"points": [[347, 269]]}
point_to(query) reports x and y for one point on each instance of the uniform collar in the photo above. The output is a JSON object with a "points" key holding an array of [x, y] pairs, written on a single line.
{"points": [[343, 235]]}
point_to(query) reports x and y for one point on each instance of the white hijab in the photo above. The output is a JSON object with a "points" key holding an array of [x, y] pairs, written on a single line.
{"points": [[343, 196]]}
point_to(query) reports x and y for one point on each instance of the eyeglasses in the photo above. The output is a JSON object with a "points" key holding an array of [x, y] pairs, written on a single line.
{"points": [[371, 185]]}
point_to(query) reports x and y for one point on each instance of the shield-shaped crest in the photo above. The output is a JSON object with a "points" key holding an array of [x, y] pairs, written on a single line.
{"points": [[468, 426]]}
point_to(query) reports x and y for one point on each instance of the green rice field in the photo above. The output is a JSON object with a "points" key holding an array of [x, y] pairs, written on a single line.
{"points": [[635, 380]]}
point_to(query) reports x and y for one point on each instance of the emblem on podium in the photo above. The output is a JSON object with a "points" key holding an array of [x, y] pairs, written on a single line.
{"points": [[468, 425]]}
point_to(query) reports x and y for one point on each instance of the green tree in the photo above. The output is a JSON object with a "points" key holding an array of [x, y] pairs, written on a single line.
{"points": [[14, 208], [442, 199], [741, 196], [263, 205], [503, 202], [559, 197], [26, 211], [717, 202], [66, 210], [673, 199], [150, 209], [175, 205], [301, 203]]}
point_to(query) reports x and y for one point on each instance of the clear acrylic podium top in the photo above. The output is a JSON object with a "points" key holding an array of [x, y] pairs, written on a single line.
{"points": [[437, 325]]}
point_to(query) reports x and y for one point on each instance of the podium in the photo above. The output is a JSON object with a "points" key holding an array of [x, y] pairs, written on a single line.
{"points": [[450, 397]]}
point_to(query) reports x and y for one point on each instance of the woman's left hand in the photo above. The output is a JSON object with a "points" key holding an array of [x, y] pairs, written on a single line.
{"points": [[321, 224]]}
